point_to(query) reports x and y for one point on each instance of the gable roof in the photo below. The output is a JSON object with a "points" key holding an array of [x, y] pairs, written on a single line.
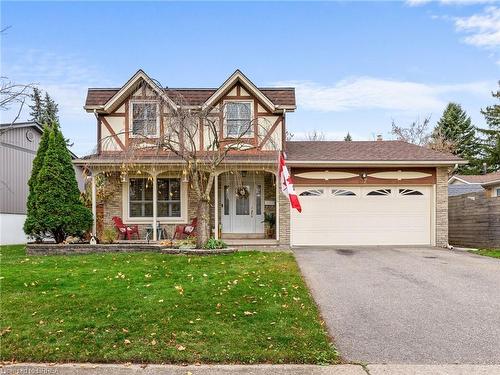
{"points": [[283, 97], [479, 179], [129, 87], [238, 77], [28, 124], [365, 152]]}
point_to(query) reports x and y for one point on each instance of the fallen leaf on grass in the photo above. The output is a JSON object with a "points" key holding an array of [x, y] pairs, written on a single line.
{"points": [[126, 341], [180, 348]]}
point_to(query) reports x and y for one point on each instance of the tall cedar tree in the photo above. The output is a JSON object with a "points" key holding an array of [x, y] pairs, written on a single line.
{"points": [[59, 210], [50, 110], [491, 147], [456, 127], [31, 226], [37, 106]]}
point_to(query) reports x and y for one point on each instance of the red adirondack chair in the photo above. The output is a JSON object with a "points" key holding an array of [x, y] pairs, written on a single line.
{"points": [[183, 231], [125, 230]]}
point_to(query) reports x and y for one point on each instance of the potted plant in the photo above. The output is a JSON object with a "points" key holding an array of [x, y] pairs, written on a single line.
{"points": [[270, 221]]}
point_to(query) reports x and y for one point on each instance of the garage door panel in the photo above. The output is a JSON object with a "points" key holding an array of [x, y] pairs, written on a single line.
{"points": [[362, 220]]}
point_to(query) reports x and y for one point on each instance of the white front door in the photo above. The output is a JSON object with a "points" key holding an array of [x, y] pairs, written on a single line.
{"points": [[242, 204]]}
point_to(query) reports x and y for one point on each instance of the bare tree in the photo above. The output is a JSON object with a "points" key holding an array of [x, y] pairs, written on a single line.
{"points": [[417, 133], [439, 142], [13, 95], [315, 135], [184, 127]]}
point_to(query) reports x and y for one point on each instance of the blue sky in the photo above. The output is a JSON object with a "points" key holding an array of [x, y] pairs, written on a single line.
{"points": [[356, 65]]}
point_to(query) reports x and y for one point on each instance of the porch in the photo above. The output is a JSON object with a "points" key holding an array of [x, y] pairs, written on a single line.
{"points": [[246, 204]]}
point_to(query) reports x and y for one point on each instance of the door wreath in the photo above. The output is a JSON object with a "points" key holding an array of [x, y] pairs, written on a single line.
{"points": [[242, 192]]}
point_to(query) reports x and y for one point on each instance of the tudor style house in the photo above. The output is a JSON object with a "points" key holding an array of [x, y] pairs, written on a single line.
{"points": [[352, 193]]}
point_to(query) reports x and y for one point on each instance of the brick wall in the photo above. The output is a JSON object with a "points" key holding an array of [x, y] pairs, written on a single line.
{"points": [[441, 206], [113, 206], [284, 223]]}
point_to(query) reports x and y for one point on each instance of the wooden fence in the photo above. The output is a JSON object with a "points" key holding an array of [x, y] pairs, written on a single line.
{"points": [[474, 220]]}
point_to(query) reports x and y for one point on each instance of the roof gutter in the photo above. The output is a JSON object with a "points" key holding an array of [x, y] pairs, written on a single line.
{"points": [[490, 183], [310, 163]]}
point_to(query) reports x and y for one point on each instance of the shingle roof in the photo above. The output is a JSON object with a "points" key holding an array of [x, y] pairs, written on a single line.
{"points": [[279, 96], [459, 189], [480, 178], [363, 151]]}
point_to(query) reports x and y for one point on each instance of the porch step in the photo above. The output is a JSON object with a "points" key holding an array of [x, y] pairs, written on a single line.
{"points": [[243, 236]]}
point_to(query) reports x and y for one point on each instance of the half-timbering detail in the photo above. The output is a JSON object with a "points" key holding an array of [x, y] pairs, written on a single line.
{"points": [[208, 159]]}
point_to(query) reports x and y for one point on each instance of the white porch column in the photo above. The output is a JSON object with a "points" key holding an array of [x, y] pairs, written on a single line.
{"points": [[94, 205], [216, 207], [277, 205], [155, 207]]}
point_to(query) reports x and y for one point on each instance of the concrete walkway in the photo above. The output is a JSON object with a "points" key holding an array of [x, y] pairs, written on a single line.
{"points": [[111, 369]]}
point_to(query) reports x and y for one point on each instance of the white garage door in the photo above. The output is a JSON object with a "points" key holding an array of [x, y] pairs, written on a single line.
{"points": [[391, 215]]}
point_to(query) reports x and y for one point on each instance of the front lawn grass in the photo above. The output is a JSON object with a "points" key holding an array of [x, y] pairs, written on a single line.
{"points": [[493, 253], [247, 307]]}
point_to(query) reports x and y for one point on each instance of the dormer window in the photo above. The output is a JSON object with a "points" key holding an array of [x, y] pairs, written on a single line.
{"points": [[145, 119], [239, 119]]}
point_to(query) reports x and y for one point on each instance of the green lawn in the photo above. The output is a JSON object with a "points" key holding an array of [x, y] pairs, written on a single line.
{"points": [[247, 307], [494, 253]]}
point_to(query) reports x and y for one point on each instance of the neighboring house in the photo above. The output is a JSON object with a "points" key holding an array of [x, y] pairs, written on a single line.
{"points": [[462, 184], [352, 193], [18, 147]]}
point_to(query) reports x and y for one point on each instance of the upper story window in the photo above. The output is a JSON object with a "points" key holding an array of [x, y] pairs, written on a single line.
{"points": [[239, 119], [145, 119]]}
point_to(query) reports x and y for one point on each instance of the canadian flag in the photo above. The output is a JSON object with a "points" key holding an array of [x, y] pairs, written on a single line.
{"points": [[287, 185]]}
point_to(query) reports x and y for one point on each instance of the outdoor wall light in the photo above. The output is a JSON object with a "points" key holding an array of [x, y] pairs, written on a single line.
{"points": [[184, 176]]}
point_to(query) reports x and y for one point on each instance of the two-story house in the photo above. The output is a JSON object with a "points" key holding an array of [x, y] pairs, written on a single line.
{"points": [[352, 193]]}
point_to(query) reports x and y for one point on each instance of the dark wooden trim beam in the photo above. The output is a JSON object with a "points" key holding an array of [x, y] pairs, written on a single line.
{"points": [[270, 131], [112, 132]]}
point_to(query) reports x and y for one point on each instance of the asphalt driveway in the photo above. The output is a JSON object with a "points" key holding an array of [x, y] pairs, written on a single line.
{"points": [[407, 305]]}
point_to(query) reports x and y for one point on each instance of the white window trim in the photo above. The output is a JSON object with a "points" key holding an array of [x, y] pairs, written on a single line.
{"points": [[131, 118], [160, 219], [224, 128]]}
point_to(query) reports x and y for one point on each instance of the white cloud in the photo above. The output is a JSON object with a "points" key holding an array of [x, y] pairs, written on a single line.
{"points": [[376, 93], [483, 28], [65, 77]]}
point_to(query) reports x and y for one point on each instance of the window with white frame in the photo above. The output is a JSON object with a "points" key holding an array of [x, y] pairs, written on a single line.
{"points": [[169, 197], [145, 119], [141, 197], [239, 119]]}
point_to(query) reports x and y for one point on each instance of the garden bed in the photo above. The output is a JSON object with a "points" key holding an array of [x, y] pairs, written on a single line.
{"points": [[85, 248]]}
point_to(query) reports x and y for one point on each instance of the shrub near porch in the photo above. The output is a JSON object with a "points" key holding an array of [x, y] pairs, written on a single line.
{"points": [[247, 307]]}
